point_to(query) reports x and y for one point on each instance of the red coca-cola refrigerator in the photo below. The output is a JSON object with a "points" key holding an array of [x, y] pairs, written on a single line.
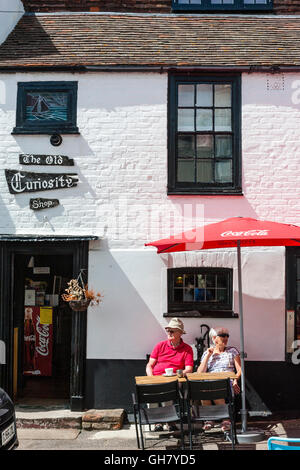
{"points": [[38, 343]]}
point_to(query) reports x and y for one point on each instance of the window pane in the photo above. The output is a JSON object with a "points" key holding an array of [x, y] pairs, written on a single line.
{"points": [[185, 95], [222, 119], [188, 295], [178, 281], [210, 280], [204, 120], [210, 295], [186, 120], [178, 295], [255, 2], [205, 147], [223, 95], [47, 106], [186, 171], [222, 296], [204, 95], [186, 146], [189, 280], [223, 146], [201, 280], [224, 171], [205, 171], [222, 281]]}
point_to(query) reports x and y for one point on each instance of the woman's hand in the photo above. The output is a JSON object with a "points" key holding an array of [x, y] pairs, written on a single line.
{"points": [[210, 351], [236, 387]]}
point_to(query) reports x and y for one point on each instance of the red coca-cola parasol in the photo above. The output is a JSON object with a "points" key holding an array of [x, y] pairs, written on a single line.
{"points": [[233, 232], [228, 233]]}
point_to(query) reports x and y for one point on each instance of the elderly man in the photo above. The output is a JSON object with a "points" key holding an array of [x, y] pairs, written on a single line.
{"points": [[171, 353]]}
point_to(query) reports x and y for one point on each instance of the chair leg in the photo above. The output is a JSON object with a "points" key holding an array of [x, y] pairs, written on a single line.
{"points": [[136, 429], [141, 430], [189, 427]]}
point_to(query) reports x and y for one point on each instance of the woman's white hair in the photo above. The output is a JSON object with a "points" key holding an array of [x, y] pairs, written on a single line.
{"points": [[213, 332]]}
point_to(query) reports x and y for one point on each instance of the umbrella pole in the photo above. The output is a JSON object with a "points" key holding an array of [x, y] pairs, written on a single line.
{"points": [[243, 409], [245, 435]]}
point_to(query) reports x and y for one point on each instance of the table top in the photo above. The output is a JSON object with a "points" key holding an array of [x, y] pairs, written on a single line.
{"points": [[156, 379]]}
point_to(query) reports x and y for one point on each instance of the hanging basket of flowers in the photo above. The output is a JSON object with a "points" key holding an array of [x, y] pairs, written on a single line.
{"points": [[79, 296]]}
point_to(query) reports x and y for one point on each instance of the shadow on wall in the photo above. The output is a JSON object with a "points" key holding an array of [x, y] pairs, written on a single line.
{"points": [[123, 327], [7, 224]]}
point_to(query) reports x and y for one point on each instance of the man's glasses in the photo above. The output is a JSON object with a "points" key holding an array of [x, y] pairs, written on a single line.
{"points": [[170, 331], [224, 335]]}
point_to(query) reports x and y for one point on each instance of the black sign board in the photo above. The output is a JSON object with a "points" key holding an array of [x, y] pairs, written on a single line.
{"points": [[41, 203], [25, 182], [51, 160]]}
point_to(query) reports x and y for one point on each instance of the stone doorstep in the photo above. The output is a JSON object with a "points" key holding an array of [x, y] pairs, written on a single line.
{"points": [[88, 420], [103, 419]]}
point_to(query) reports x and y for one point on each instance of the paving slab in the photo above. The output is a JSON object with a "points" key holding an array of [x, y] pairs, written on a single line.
{"points": [[47, 434]]}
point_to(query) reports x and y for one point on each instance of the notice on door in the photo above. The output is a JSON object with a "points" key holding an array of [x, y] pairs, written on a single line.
{"points": [[46, 315]]}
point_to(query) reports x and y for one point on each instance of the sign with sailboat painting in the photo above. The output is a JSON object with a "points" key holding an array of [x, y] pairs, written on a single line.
{"points": [[46, 107]]}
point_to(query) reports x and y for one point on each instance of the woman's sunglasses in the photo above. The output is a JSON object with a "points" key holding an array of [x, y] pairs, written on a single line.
{"points": [[224, 335]]}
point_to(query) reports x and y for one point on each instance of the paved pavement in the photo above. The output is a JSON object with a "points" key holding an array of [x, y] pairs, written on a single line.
{"points": [[125, 439]]}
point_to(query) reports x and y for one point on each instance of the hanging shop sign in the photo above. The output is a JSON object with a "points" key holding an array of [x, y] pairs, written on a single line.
{"points": [[26, 182], [41, 203], [51, 160]]}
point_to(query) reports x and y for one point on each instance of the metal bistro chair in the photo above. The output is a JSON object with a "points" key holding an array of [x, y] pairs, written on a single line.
{"points": [[210, 390], [281, 443], [156, 393]]}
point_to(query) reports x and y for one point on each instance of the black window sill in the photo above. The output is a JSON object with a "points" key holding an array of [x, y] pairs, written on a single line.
{"points": [[204, 193], [203, 314], [46, 131]]}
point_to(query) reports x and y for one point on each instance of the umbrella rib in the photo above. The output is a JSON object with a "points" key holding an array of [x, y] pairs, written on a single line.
{"points": [[171, 246]]}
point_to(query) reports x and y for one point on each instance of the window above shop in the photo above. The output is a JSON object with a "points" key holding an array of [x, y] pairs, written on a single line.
{"points": [[204, 155], [46, 107], [200, 292], [221, 5]]}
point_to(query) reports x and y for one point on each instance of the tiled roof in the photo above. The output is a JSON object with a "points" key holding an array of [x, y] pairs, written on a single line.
{"points": [[161, 40]]}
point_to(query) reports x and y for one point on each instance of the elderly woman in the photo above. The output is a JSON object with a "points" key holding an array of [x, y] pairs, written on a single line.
{"points": [[171, 353], [220, 358]]}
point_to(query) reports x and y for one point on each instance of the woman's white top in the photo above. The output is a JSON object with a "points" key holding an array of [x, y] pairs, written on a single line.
{"points": [[222, 362]]}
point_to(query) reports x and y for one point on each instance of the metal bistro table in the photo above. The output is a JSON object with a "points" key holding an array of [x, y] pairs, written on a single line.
{"points": [[156, 379]]}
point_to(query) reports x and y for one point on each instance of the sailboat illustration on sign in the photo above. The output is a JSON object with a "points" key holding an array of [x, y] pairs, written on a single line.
{"points": [[40, 105]]}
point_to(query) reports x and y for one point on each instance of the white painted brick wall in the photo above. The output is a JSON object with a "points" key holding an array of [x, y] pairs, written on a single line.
{"points": [[121, 159]]}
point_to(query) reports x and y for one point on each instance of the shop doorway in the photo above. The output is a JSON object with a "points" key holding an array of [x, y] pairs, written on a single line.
{"points": [[42, 328], [57, 259]]}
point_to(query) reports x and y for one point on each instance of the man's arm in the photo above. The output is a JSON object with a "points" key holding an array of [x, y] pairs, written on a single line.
{"points": [[150, 365]]}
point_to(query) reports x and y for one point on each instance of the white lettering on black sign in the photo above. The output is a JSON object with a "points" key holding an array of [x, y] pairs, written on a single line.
{"points": [[25, 182], [51, 160], [40, 203]]}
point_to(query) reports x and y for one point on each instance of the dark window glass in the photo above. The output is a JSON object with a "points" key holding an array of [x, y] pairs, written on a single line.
{"points": [[204, 289], [204, 130], [241, 5]]}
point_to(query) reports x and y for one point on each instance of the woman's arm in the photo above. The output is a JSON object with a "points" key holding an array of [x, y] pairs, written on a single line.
{"points": [[203, 365], [238, 368], [150, 365]]}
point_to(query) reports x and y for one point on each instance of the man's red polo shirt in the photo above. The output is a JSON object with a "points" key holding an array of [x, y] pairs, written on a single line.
{"points": [[167, 357]]}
